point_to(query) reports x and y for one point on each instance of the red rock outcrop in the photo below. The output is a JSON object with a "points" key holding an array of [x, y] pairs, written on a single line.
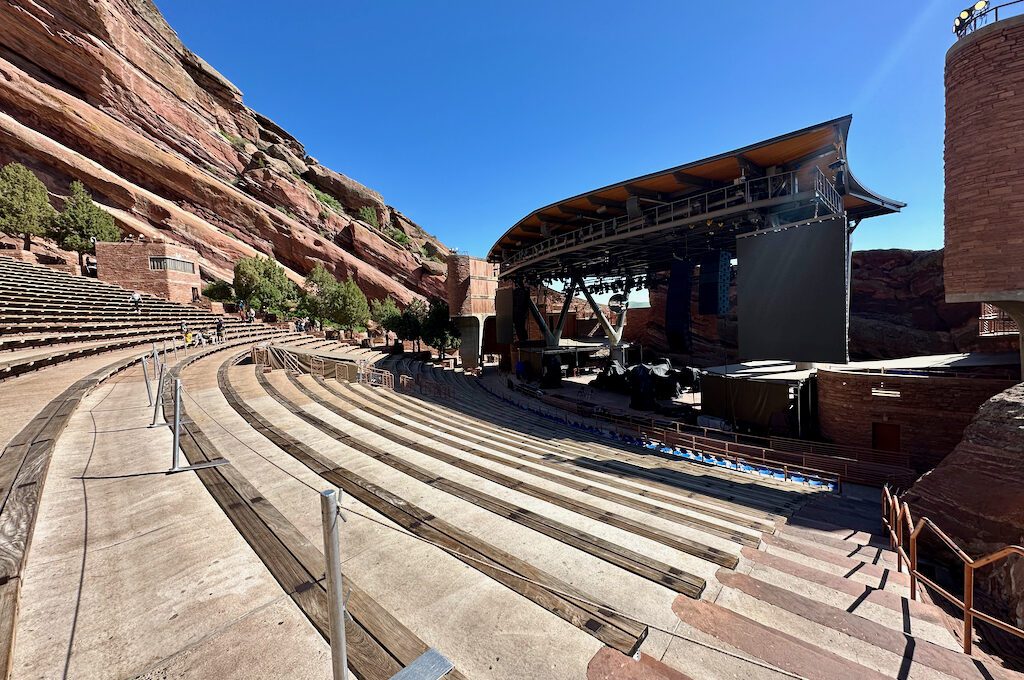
{"points": [[897, 309], [105, 93], [975, 495]]}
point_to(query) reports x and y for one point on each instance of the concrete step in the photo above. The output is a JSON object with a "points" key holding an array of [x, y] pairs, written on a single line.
{"points": [[796, 531], [890, 608], [875, 575], [769, 644], [865, 553], [609, 664], [906, 650]]}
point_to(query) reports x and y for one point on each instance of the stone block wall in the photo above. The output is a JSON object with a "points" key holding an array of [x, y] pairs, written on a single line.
{"points": [[127, 264], [984, 198], [471, 286], [932, 412]]}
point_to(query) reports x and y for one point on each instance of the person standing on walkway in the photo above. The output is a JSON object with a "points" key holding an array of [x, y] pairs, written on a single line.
{"points": [[137, 302]]}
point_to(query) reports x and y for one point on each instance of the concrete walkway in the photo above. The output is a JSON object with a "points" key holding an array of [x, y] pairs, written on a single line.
{"points": [[141, 575]]}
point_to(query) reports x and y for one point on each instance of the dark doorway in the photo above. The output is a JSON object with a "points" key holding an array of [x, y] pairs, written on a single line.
{"points": [[885, 436]]}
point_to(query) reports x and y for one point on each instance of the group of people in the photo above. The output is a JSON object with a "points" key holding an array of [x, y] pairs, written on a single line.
{"points": [[245, 312], [304, 324], [199, 339]]}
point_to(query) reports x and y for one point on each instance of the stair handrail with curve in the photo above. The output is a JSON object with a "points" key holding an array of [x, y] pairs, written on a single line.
{"points": [[896, 517]]}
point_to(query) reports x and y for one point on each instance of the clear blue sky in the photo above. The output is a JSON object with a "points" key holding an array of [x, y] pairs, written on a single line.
{"points": [[468, 115]]}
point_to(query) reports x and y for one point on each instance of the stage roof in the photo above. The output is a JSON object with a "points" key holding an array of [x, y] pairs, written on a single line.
{"points": [[815, 146]]}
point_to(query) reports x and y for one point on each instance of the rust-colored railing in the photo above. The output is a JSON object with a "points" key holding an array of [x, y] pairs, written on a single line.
{"points": [[903, 530]]}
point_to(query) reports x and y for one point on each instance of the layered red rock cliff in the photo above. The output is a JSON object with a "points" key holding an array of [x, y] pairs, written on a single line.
{"points": [[975, 495], [897, 309], [104, 92]]}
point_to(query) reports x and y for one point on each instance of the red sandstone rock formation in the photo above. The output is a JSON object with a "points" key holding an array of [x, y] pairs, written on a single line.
{"points": [[897, 309], [975, 495], [104, 92]]}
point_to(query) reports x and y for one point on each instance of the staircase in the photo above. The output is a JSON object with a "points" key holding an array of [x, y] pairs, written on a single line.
{"points": [[820, 598]]}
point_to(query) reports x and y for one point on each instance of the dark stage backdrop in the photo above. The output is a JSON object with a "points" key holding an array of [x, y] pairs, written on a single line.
{"points": [[503, 316], [793, 293]]}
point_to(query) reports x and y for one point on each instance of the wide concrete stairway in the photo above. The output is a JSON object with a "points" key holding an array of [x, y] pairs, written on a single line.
{"points": [[819, 596]]}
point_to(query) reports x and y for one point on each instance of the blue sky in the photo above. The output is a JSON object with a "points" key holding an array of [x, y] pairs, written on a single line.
{"points": [[468, 115]]}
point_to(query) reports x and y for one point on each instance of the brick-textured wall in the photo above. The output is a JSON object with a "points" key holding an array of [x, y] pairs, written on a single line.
{"points": [[126, 264], [984, 172], [471, 286], [932, 411]]}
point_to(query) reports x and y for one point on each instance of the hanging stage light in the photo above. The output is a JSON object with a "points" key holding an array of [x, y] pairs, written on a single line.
{"points": [[980, 5]]}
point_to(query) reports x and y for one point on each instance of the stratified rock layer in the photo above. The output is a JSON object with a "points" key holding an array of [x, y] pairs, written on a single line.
{"points": [[105, 93], [976, 495]]}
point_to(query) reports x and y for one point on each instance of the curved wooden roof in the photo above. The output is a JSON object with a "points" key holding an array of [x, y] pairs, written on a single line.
{"points": [[819, 144]]}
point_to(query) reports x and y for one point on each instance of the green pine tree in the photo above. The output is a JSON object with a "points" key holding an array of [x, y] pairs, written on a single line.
{"points": [[25, 208], [82, 223], [262, 284], [349, 308]]}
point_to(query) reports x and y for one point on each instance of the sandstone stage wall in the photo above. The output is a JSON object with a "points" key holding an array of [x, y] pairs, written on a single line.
{"points": [[931, 412]]}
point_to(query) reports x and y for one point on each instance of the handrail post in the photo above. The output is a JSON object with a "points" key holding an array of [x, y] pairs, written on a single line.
{"points": [[176, 432], [968, 607], [913, 565], [335, 596], [899, 543], [145, 378], [159, 392]]}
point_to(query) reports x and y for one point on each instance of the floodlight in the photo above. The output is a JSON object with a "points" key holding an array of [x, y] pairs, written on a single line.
{"points": [[965, 14], [980, 5]]}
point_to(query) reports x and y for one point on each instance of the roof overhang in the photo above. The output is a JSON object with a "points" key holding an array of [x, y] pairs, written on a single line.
{"points": [[818, 146]]}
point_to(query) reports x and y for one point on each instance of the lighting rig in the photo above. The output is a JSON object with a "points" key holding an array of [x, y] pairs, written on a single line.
{"points": [[966, 20]]}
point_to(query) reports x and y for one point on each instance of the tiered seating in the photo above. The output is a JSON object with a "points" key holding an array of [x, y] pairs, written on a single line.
{"points": [[515, 543], [47, 317], [820, 596]]}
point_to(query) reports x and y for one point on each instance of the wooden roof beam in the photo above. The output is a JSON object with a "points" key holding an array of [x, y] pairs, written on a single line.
{"points": [[748, 167], [695, 181], [578, 212], [553, 219], [796, 163], [634, 190], [606, 202]]}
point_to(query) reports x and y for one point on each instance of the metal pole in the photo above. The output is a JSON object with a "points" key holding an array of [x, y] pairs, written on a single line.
{"points": [[159, 391], [156, 359], [968, 607], [145, 378], [336, 608], [175, 451]]}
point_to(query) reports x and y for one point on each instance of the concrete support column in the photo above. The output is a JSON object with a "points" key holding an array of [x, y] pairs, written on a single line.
{"points": [[1016, 311], [471, 330]]}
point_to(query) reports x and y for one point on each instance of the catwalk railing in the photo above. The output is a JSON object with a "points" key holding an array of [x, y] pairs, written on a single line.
{"points": [[696, 207], [904, 538]]}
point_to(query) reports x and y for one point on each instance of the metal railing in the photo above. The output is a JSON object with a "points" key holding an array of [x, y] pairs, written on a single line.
{"points": [[691, 208], [902, 529], [317, 366], [376, 377], [827, 193], [987, 16], [994, 321]]}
